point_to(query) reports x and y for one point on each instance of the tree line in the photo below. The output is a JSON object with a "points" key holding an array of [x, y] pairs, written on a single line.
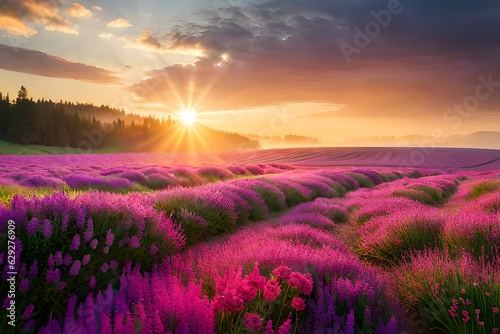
{"points": [[66, 124]]}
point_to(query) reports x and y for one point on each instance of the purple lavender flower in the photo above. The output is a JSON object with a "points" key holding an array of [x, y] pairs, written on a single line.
{"points": [[68, 260], [93, 244], [109, 238], [86, 259], [58, 259], [75, 268], [113, 264], [33, 226], [33, 272], [92, 282], [154, 249], [61, 285], [28, 325], [53, 276], [105, 267], [134, 242], [28, 311], [24, 285], [47, 228], [50, 261], [75, 244], [80, 222], [89, 232], [64, 223]]}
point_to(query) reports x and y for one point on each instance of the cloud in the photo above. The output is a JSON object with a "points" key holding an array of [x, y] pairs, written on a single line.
{"points": [[77, 10], [289, 52], [149, 42], [119, 23], [105, 35], [19, 17], [97, 8], [43, 64]]}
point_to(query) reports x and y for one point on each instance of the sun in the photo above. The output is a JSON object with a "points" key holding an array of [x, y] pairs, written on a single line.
{"points": [[188, 117]]}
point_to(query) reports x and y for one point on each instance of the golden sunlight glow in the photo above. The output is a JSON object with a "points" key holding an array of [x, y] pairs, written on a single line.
{"points": [[188, 116]]}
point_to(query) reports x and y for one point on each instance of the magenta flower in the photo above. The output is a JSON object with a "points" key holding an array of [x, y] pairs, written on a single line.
{"points": [[272, 290], [251, 284], [53, 276], [301, 282], [269, 327], [61, 285], [75, 268], [105, 267], [75, 244], [86, 259], [47, 228], [282, 272], [285, 328], [28, 311], [252, 321], [234, 304], [466, 317], [105, 250], [33, 226], [495, 310], [92, 282], [109, 238], [298, 303]]}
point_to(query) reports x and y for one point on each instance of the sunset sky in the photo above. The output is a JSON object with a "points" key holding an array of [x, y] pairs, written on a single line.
{"points": [[331, 69]]}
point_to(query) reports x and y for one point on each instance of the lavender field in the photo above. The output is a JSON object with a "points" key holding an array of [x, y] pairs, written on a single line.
{"points": [[124, 244]]}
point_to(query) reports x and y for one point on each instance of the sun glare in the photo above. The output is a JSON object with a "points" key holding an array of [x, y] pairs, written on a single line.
{"points": [[188, 117]]}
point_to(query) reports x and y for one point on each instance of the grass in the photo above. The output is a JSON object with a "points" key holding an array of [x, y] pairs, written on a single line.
{"points": [[18, 149]]}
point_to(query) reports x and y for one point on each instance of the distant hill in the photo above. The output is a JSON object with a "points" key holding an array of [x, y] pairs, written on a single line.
{"points": [[482, 139]]}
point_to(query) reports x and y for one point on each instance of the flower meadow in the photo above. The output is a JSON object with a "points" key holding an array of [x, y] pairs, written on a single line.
{"points": [[261, 248]]}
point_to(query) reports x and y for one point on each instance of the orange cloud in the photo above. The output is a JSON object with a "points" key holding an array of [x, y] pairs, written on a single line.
{"points": [[77, 10], [119, 23], [17, 15], [15, 26], [161, 44]]}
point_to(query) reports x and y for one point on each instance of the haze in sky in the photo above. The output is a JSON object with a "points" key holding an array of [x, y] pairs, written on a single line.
{"points": [[336, 70]]}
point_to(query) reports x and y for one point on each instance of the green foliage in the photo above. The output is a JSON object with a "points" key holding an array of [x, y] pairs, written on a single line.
{"points": [[484, 188], [218, 220], [458, 295], [272, 199], [416, 195], [364, 181]]}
